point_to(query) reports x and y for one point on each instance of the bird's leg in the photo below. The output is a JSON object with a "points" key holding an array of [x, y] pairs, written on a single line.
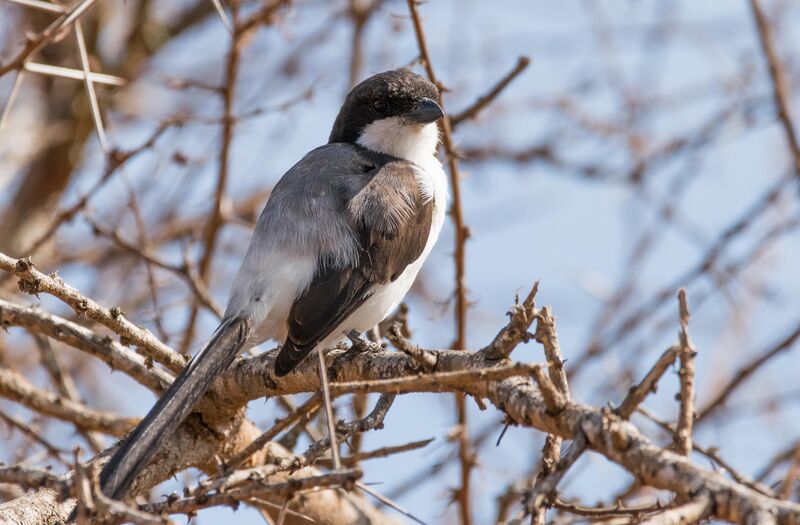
{"points": [[326, 396], [359, 344]]}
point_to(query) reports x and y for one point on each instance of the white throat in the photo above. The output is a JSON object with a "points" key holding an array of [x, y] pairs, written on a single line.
{"points": [[414, 142]]}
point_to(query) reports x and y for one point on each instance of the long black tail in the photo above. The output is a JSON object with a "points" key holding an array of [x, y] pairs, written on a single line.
{"points": [[173, 407]]}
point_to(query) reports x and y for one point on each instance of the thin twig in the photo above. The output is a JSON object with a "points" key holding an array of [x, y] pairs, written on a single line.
{"points": [[546, 335], [15, 387], [780, 85], [33, 435], [114, 161], [693, 512], [386, 501], [639, 392], [254, 487], [289, 439], [791, 476], [625, 326], [747, 370], [35, 42], [345, 430], [711, 453], [383, 452], [289, 512], [264, 15], [284, 508], [63, 381], [269, 435], [606, 512], [425, 360], [521, 316], [360, 13], [114, 354], [201, 293], [541, 493], [34, 282], [484, 100], [682, 439]]}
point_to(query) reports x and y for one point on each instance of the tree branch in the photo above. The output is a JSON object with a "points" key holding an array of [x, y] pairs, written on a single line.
{"points": [[114, 354], [780, 86], [16, 388], [34, 282]]}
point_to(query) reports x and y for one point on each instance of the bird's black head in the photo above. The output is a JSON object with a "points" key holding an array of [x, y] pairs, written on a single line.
{"points": [[405, 97]]}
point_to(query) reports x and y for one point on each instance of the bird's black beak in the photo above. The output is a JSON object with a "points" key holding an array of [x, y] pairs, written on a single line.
{"points": [[425, 112]]}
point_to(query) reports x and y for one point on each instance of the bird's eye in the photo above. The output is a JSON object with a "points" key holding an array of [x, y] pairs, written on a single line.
{"points": [[379, 106]]}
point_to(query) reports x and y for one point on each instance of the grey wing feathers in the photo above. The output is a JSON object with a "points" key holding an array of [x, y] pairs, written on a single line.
{"points": [[390, 219], [304, 212]]}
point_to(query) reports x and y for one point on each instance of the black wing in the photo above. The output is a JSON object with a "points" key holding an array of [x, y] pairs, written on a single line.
{"points": [[392, 220]]}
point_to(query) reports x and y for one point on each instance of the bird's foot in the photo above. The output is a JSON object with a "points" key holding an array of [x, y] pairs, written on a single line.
{"points": [[359, 344]]}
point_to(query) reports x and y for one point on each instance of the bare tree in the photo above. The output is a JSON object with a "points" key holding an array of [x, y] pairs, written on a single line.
{"points": [[140, 140]]}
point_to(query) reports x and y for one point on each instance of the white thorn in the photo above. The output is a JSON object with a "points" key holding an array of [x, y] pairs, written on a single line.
{"points": [[93, 105], [223, 15], [326, 395], [38, 4], [74, 74], [11, 97]]}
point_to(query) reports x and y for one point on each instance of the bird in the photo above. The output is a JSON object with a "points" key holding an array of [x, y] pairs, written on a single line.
{"points": [[336, 248]]}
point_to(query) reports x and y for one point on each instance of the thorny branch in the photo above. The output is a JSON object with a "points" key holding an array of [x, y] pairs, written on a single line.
{"points": [[551, 468], [547, 409], [34, 42], [15, 387], [111, 352], [245, 464], [34, 282]]}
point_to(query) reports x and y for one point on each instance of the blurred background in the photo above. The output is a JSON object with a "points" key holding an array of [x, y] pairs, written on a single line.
{"points": [[640, 151]]}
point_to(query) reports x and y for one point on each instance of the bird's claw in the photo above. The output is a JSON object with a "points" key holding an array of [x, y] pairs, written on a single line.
{"points": [[358, 343]]}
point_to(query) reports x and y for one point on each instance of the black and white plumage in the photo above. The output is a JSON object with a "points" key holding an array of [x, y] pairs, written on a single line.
{"points": [[338, 245], [390, 221]]}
